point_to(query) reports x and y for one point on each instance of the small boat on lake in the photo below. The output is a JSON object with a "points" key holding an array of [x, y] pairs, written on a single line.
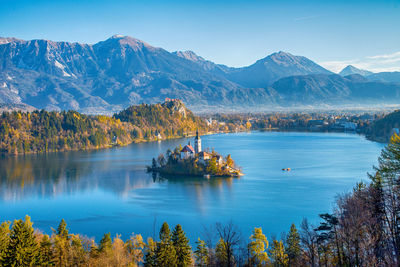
{"points": [[286, 169]]}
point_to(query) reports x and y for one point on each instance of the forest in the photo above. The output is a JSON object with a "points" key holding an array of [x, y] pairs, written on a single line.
{"points": [[382, 129], [362, 230], [44, 131]]}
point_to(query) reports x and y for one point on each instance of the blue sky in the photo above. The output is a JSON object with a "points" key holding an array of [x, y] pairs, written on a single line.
{"points": [[236, 32]]}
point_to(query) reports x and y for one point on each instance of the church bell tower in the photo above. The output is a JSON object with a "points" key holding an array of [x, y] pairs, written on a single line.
{"points": [[197, 143]]}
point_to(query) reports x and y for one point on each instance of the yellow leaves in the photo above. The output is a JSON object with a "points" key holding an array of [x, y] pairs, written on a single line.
{"points": [[395, 139], [258, 246], [248, 125], [135, 247], [278, 254]]}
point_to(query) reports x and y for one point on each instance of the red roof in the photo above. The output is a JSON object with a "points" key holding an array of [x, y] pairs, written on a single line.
{"points": [[188, 148]]}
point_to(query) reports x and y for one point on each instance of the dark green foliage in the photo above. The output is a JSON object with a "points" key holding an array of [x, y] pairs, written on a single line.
{"points": [[382, 129], [165, 254], [386, 183], [182, 247], [150, 259], [22, 249], [62, 230], [201, 253], [45, 257], [4, 238], [293, 249], [105, 243]]}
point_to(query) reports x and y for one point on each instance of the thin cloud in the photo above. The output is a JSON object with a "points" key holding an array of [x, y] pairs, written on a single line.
{"points": [[377, 63], [306, 18]]}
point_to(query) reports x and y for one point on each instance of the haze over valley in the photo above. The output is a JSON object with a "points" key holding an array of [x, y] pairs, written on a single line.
{"points": [[111, 75]]}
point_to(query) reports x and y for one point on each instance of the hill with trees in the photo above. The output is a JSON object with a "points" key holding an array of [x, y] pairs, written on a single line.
{"points": [[43, 131], [381, 130]]}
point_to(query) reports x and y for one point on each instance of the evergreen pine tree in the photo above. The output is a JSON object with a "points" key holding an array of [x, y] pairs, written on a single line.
{"points": [[78, 254], [22, 249], [166, 254], [61, 244], [387, 181], [150, 253], [293, 248], [62, 230], [4, 238], [105, 243], [201, 253], [182, 247], [45, 257]]}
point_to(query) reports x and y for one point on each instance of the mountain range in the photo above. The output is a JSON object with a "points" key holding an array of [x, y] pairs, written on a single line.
{"points": [[110, 75]]}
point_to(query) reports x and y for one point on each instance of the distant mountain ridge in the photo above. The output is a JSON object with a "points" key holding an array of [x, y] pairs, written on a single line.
{"points": [[110, 75], [349, 70]]}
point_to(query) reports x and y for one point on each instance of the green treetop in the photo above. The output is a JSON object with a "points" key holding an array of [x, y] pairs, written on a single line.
{"points": [[105, 243], [166, 254], [201, 253], [182, 247], [293, 248], [22, 249]]}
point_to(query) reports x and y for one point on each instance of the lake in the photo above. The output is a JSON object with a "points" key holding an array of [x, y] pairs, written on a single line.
{"points": [[110, 191]]}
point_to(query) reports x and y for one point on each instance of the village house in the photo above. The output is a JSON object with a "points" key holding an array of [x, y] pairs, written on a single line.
{"points": [[187, 152], [204, 157]]}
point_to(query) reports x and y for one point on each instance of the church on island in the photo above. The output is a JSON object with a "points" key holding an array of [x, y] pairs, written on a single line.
{"points": [[189, 161], [188, 151]]}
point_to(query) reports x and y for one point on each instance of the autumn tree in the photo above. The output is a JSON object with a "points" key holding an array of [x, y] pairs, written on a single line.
{"points": [[229, 239], [257, 248], [229, 161], [278, 254], [308, 238], [135, 246]]}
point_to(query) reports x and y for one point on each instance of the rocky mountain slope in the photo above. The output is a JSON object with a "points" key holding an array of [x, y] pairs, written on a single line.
{"points": [[349, 70], [110, 75], [335, 90]]}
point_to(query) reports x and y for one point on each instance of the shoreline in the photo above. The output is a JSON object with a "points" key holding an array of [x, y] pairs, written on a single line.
{"points": [[378, 140]]}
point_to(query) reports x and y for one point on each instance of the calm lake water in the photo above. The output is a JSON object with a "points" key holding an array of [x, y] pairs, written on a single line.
{"points": [[109, 190]]}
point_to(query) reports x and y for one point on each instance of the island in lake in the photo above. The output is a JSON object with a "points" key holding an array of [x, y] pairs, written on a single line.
{"points": [[191, 161]]}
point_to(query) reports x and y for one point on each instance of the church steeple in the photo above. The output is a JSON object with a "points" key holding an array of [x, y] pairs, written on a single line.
{"points": [[197, 143]]}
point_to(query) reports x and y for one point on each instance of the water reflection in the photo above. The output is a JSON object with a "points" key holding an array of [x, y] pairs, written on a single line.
{"points": [[54, 174], [49, 175], [110, 191]]}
